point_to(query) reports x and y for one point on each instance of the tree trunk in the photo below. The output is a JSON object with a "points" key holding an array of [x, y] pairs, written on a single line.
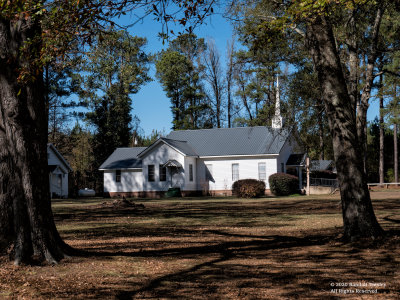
{"points": [[229, 79], [176, 111], [6, 193], [381, 138], [28, 221], [321, 137], [396, 154], [229, 105], [244, 100], [358, 215], [354, 64], [218, 99], [362, 105]]}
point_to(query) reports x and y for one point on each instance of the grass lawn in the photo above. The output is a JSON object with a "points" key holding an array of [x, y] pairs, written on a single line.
{"points": [[214, 248]]}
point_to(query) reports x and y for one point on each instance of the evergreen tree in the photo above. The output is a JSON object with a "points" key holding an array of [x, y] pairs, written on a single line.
{"points": [[391, 91], [306, 112], [255, 79], [81, 159], [392, 112], [172, 71], [114, 69], [179, 70]]}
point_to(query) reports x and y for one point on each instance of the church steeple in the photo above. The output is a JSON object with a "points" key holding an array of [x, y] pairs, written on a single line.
{"points": [[277, 119]]}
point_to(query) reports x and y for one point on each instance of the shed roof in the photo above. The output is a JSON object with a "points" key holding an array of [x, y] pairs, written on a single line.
{"points": [[123, 158], [321, 165], [296, 160]]}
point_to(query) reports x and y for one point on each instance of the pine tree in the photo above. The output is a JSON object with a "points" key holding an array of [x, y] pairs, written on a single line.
{"points": [[114, 70], [179, 70]]}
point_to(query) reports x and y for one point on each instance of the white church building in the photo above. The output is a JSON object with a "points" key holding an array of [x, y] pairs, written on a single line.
{"points": [[206, 161]]}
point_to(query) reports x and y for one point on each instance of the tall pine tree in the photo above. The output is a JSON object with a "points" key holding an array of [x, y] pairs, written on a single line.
{"points": [[180, 72], [114, 70]]}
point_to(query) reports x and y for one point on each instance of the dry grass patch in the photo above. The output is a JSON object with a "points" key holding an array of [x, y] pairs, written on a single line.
{"points": [[214, 248]]}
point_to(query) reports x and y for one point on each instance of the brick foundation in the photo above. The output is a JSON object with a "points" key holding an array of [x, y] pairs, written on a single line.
{"points": [[161, 194], [150, 194]]}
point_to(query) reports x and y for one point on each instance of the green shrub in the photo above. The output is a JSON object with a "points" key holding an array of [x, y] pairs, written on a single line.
{"points": [[389, 176], [248, 188], [282, 184]]}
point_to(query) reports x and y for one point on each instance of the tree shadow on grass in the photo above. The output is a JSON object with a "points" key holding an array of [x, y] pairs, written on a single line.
{"points": [[225, 265], [264, 267], [230, 264], [199, 210], [260, 243]]}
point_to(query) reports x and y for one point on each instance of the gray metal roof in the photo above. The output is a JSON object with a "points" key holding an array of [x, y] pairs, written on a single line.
{"points": [[123, 158], [182, 146], [60, 157], [207, 142], [172, 163], [296, 160], [321, 165], [233, 141]]}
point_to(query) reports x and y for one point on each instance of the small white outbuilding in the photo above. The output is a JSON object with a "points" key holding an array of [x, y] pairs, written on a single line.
{"points": [[58, 169]]}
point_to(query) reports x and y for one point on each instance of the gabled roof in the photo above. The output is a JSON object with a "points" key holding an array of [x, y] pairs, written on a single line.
{"points": [[50, 146], [123, 158], [233, 141], [215, 142], [172, 163], [180, 145], [55, 169]]}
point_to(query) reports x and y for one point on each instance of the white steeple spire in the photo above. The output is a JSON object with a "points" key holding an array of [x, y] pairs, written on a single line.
{"points": [[277, 119]]}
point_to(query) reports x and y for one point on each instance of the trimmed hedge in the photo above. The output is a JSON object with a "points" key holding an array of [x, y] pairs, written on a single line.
{"points": [[282, 184], [248, 188]]}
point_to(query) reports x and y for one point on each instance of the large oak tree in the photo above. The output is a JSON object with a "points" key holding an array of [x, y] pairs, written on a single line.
{"points": [[32, 34], [344, 39]]}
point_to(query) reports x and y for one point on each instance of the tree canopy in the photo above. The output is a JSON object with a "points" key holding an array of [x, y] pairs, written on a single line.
{"points": [[180, 71]]}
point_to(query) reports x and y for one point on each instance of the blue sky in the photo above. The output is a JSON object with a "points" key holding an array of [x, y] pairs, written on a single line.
{"points": [[150, 104]]}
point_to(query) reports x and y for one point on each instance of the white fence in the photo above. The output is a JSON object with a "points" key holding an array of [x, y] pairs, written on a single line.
{"points": [[386, 185]]}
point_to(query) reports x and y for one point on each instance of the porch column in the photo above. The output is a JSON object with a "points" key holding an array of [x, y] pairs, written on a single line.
{"points": [[300, 170]]}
